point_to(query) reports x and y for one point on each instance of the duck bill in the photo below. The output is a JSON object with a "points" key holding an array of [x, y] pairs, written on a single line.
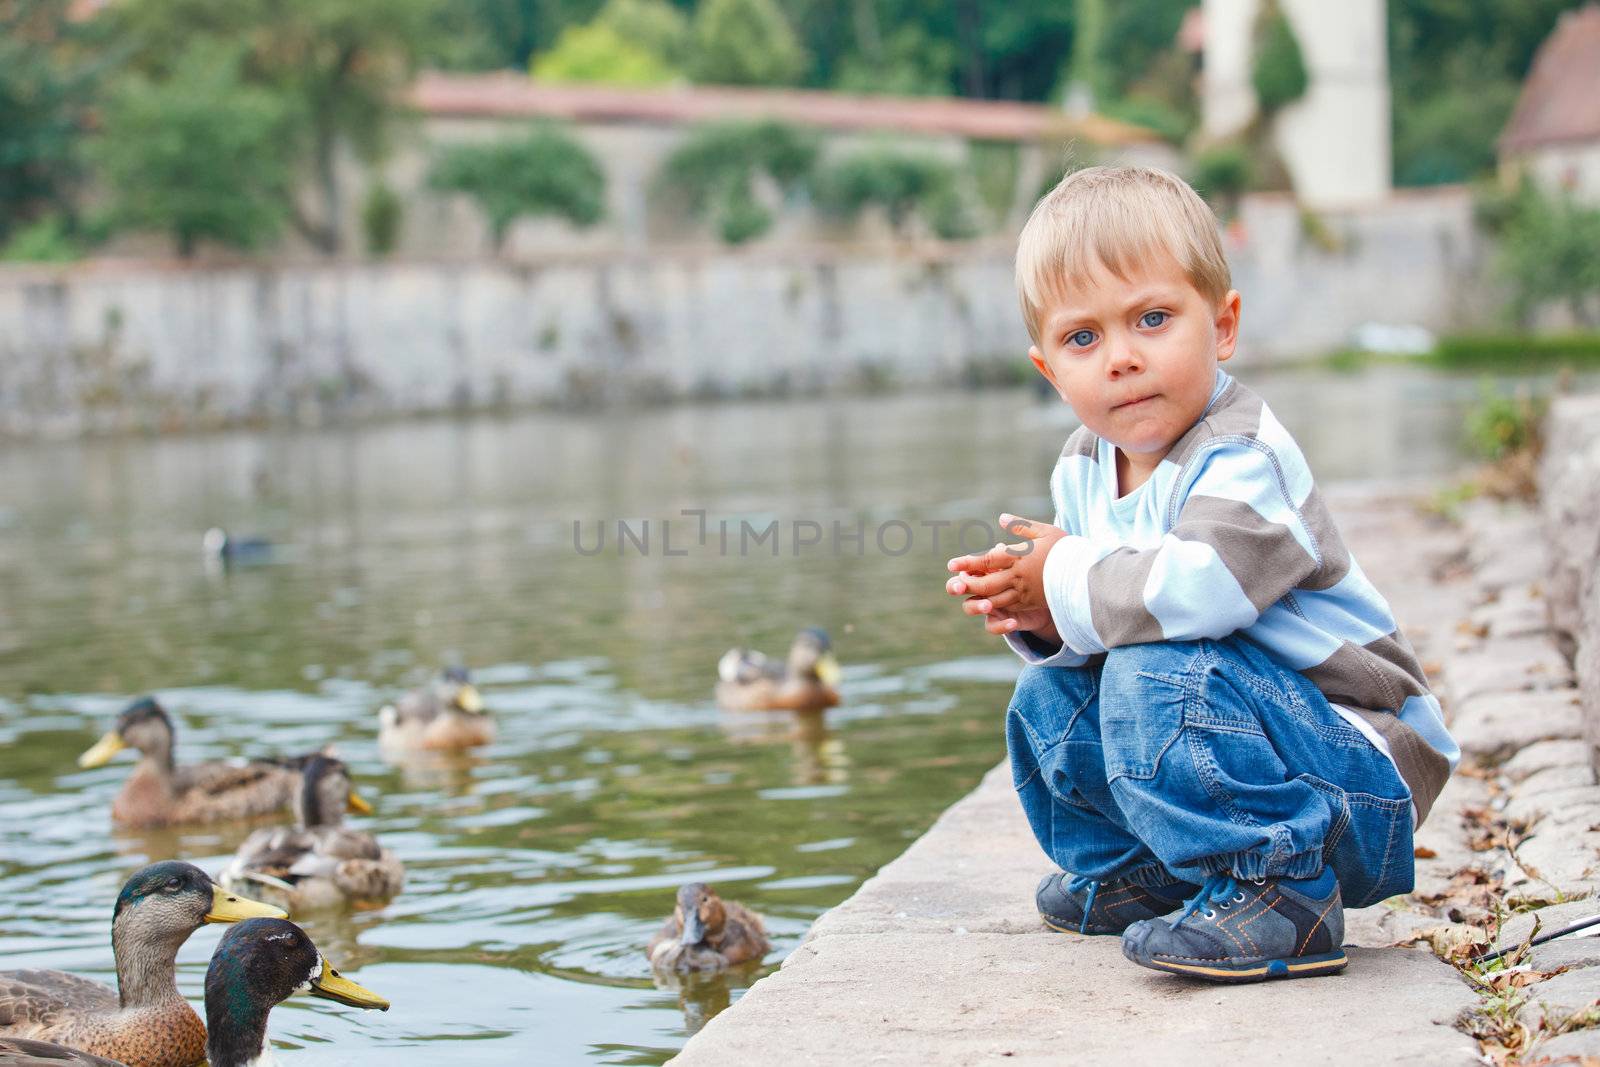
{"points": [[331, 985], [103, 750], [469, 700], [229, 907], [828, 670], [357, 805], [694, 931]]}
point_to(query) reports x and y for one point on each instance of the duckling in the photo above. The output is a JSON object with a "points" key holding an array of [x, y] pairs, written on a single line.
{"points": [[448, 714], [808, 681], [706, 933], [257, 965], [18, 1052], [144, 1022], [319, 863], [159, 793]]}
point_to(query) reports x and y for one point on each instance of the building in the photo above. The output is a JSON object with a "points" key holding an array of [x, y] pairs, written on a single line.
{"points": [[1554, 132]]}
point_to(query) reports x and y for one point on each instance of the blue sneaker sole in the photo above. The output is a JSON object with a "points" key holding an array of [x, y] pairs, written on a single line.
{"points": [[1057, 925], [1253, 971]]}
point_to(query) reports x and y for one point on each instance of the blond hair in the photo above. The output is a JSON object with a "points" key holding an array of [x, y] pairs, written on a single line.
{"points": [[1112, 218]]}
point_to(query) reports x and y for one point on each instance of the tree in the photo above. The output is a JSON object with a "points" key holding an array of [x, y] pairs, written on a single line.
{"points": [[652, 25], [597, 53], [745, 42], [1550, 251], [198, 154], [712, 172], [902, 185], [546, 173], [44, 96], [1278, 73], [339, 68]]}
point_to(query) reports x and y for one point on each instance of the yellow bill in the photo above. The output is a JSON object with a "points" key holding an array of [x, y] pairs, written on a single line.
{"points": [[468, 700], [103, 750], [828, 669], [357, 804], [228, 907], [331, 985]]}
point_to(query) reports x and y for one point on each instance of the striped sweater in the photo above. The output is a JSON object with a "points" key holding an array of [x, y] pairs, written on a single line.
{"points": [[1230, 535]]}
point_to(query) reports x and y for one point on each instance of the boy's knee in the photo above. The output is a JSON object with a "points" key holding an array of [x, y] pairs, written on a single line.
{"points": [[1047, 699]]}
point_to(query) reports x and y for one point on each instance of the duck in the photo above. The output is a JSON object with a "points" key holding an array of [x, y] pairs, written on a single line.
{"points": [[319, 863], [807, 681], [160, 793], [706, 933], [144, 1021], [224, 550], [257, 965], [20, 1052], [449, 714]]}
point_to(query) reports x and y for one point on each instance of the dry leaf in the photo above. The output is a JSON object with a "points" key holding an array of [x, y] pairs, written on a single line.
{"points": [[1422, 852]]}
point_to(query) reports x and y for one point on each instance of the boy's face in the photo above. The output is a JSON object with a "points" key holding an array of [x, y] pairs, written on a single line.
{"points": [[1136, 358]]}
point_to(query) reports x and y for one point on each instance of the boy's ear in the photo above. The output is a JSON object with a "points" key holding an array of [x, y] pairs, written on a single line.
{"points": [[1044, 368], [1227, 325]]}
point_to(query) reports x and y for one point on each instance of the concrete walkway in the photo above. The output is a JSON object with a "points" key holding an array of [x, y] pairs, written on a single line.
{"points": [[941, 959]]}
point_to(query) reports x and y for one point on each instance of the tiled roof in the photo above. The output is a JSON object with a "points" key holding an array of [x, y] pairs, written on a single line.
{"points": [[1560, 101], [512, 95]]}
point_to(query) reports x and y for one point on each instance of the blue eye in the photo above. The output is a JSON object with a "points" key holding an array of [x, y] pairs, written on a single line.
{"points": [[1081, 339], [1151, 319]]}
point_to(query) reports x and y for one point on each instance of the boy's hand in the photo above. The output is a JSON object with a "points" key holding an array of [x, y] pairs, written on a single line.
{"points": [[1006, 583]]}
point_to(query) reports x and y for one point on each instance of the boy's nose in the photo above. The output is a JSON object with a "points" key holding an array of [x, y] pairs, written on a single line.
{"points": [[1122, 360]]}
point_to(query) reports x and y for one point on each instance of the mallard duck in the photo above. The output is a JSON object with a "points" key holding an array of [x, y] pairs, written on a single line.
{"points": [[257, 965], [447, 714], [319, 863], [144, 1022], [807, 681], [20, 1052], [159, 793], [706, 933]]}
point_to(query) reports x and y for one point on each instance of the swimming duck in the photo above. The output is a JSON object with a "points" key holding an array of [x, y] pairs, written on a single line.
{"points": [[223, 549], [20, 1052], [159, 793], [448, 714], [807, 681], [318, 863], [144, 1022], [706, 933], [257, 965]]}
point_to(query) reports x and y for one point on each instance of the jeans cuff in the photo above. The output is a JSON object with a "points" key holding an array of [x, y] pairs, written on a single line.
{"points": [[1152, 876], [1254, 866]]}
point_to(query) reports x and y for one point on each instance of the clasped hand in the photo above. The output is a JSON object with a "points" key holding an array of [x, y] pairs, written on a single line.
{"points": [[1006, 583]]}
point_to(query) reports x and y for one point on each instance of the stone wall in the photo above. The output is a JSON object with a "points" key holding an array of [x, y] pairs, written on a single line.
{"points": [[1570, 492]]}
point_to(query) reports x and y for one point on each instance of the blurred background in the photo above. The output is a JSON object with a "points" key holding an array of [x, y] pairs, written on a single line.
{"points": [[406, 288]]}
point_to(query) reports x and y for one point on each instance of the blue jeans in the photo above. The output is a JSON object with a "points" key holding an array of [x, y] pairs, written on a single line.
{"points": [[1186, 759]]}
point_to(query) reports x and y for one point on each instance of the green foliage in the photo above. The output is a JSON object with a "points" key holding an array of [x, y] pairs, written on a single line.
{"points": [[994, 166], [1155, 115], [1517, 351], [901, 185], [910, 63], [198, 154], [46, 240], [712, 172], [1136, 37], [1503, 423], [745, 42], [654, 26], [1222, 174], [1550, 251], [381, 214], [1447, 133], [1279, 73], [44, 95], [546, 173], [598, 53]]}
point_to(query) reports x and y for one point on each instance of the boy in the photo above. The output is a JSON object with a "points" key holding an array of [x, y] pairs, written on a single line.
{"points": [[1217, 706]]}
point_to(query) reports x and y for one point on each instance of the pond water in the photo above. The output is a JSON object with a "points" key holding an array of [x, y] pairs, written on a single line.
{"points": [[540, 866]]}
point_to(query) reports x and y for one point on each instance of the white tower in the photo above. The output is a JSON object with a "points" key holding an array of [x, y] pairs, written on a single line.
{"points": [[1335, 140]]}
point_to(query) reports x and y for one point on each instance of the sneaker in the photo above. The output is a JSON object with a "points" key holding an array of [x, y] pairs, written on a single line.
{"points": [[1237, 931], [1084, 906]]}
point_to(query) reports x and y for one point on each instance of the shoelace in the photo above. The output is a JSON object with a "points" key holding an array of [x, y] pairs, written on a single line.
{"points": [[1219, 889], [1076, 885]]}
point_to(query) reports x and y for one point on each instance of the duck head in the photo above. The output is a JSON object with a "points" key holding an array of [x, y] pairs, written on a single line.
{"points": [[326, 793], [143, 725], [257, 965], [700, 915], [456, 690], [811, 655]]}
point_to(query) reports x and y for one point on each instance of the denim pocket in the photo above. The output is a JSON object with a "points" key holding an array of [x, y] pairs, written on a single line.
{"points": [[1137, 732], [1371, 855]]}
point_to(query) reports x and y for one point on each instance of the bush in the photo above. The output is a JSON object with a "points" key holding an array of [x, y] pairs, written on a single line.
{"points": [[654, 26], [901, 185], [712, 173], [43, 241], [745, 42], [198, 154], [1517, 351], [598, 53], [911, 63], [381, 212], [1503, 424], [1222, 174], [1279, 72], [1550, 251], [1449, 136], [1166, 121], [546, 173]]}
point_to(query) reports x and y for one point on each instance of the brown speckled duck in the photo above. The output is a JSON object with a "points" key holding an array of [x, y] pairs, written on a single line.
{"points": [[144, 1022], [449, 714], [319, 863], [807, 681], [706, 933], [257, 965], [160, 793], [20, 1052]]}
